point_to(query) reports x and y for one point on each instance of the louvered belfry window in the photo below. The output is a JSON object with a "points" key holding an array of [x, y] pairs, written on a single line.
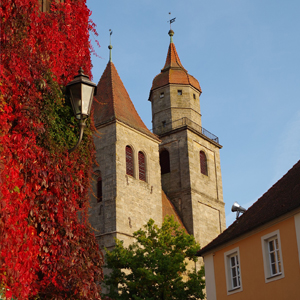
{"points": [[164, 160], [99, 189], [203, 163], [142, 166], [129, 161]]}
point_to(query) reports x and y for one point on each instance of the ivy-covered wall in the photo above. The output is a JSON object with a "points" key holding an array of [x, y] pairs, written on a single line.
{"points": [[46, 248]]}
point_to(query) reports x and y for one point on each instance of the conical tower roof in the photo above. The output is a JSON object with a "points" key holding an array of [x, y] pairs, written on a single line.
{"points": [[112, 102], [173, 72]]}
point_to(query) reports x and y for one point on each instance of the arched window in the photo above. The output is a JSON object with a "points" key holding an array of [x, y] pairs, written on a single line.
{"points": [[142, 166], [164, 160], [129, 161], [203, 163], [99, 189]]}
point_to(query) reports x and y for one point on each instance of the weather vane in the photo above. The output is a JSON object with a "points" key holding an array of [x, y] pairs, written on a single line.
{"points": [[171, 20], [110, 33]]}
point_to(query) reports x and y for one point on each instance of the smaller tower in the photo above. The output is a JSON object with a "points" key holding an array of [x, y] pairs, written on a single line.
{"points": [[174, 94], [189, 154]]}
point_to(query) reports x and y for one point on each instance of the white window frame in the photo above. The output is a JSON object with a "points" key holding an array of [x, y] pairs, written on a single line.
{"points": [[233, 271], [276, 254]]}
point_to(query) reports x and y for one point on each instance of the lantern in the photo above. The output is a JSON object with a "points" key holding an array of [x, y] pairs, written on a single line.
{"points": [[81, 92]]}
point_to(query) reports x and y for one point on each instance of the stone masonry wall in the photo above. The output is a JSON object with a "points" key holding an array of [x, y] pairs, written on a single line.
{"points": [[172, 106], [197, 197], [207, 191], [103, 214], [137, 201], [176, 184], [128, 203]]}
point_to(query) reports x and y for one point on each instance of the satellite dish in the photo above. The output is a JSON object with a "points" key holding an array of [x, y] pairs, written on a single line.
{"points": [[239, 209]]}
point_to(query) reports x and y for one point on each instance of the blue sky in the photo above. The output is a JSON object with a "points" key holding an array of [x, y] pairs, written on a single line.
{"points": [[245, 55]]}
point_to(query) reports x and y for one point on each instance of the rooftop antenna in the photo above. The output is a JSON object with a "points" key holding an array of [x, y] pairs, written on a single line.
{"points": [[239, 209], [171, 32], [110, 46]]}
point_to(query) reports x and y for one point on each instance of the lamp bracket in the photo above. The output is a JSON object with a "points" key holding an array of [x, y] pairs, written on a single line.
{"points": [[81, 127]]}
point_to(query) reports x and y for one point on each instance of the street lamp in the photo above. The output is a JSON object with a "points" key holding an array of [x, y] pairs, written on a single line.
{"points": [[81, 91]]}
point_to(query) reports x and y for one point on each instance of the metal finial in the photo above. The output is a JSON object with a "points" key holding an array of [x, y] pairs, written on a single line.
{"points": [[110, 46], [171, 32], [80, 71]]}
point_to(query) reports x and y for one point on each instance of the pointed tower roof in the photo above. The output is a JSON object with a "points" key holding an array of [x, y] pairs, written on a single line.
{"points": [[112, 102], [168, 209], [173, 71]]}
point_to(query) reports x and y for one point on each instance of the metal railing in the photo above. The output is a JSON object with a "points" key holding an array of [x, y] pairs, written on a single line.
{"points": [[165, 127]]}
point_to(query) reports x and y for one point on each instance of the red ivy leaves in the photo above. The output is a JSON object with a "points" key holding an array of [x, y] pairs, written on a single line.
{"points": [[46, 247]]}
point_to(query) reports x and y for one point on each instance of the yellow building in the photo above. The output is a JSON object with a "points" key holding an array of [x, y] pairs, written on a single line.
{"points": [[258, 256]]}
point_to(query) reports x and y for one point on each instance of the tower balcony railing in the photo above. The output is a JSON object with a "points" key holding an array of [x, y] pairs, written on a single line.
{"points": [[165, 127]]}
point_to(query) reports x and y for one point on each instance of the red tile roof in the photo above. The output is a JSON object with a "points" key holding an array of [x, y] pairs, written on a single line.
{"points": [[174, 72], [281, 198], [112, 102], [168, 209]]}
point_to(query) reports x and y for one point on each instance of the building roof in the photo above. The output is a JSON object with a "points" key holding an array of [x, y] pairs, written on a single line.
{"points": [[112, 102], [283, 197], [173, 71], [168, 209]]}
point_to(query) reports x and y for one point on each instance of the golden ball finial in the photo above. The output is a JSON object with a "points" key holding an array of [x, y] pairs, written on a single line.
{"points": [[171, 32]]}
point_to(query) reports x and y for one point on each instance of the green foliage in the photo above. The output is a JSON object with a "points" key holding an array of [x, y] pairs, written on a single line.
{"points": [[1, 292], [155, 266], [61, 126]]}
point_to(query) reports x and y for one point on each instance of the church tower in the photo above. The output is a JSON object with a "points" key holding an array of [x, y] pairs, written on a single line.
{"points": [[189, 154], [127, 182], [141, 175]]}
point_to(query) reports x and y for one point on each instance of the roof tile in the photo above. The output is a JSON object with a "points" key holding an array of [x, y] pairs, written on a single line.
{"points": [[112, 102], [174, 73], [168, 209]]}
